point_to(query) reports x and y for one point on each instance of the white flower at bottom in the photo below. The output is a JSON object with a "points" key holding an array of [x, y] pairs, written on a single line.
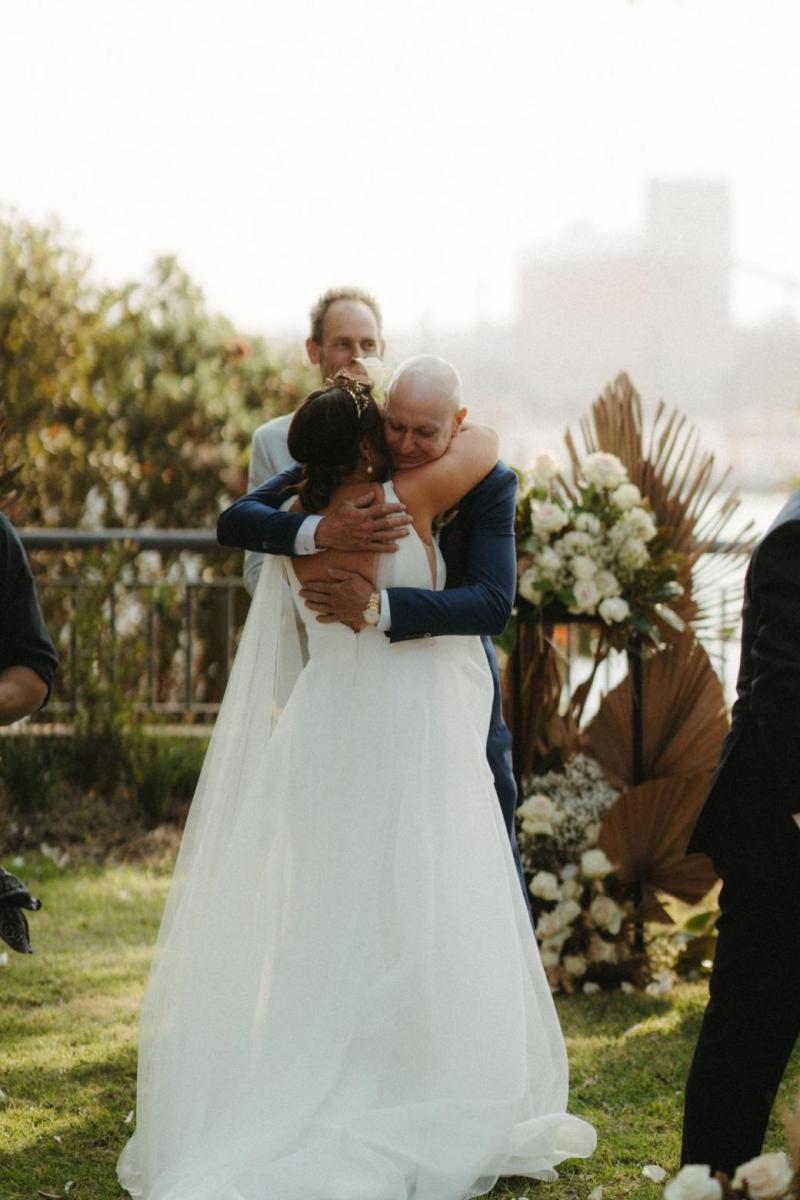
{"points": [[654, 1173], [549, 924], [693, 1183], [550, 952], [606, 914], [545, 886], [614, 609], [594, 864], [527, 586], [767, 1176], [586, 596], [575, 965]]}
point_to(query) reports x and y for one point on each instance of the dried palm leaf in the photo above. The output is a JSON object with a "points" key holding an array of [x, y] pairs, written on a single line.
{"points": [[645, 834], [532, 708], [684, 718], [691, 508]]}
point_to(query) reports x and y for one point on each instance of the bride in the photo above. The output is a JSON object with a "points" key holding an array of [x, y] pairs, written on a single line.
{"points": [[346, 1000]]}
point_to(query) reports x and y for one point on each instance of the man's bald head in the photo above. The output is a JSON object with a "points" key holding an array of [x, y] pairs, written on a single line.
{"points": [[423, 410], [430, 376]]}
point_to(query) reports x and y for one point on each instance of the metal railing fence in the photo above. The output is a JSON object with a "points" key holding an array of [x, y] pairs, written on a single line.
{"points": [[169, 635]]}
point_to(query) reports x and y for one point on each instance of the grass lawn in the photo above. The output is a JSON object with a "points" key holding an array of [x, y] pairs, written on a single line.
{"points": [[68, 1056]]}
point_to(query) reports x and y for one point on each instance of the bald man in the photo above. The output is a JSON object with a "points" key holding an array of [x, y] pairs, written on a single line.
{"points": [[424, 412]]}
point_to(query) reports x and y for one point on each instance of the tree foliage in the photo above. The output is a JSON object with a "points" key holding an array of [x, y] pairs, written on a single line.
{"points": [[131, 405]]}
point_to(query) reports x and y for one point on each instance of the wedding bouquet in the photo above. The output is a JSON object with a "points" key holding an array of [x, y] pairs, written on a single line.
{"points": [[595, 551]]}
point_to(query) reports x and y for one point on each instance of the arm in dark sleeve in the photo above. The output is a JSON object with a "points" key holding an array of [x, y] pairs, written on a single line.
{"points": [[775, 695], [24, 640], [483, 604], [255, 523]]}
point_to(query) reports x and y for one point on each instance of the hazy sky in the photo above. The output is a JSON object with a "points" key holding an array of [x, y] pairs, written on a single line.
{"points": [[413, 147]]}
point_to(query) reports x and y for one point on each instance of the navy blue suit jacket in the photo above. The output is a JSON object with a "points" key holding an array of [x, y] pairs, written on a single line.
{"points": [[479, 551]]}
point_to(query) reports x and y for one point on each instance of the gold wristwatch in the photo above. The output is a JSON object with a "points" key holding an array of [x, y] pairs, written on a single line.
{"points": [[372, 613]]}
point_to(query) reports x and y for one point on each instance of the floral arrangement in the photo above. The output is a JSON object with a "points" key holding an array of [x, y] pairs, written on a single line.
{"points": [[585, 918], [596, 550], [768, 1177]]}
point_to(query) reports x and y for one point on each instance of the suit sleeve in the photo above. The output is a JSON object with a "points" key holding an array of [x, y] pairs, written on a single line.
{"points": [[24, 640], [483, 604], [260, 470], [775, 695], [255, 523]]}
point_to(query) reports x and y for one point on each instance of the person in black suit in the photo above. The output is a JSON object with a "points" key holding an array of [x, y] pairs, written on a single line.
{"points": [[750, 827]]}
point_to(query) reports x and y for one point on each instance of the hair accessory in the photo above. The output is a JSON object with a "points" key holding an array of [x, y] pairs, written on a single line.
{"points": [[359, 392]]}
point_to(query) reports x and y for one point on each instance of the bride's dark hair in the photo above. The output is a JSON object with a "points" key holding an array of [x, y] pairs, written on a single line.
{"points": [[326, 435]]}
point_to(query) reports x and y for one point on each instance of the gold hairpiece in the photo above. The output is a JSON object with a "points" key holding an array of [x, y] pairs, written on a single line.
{"points": [[357, 391]]}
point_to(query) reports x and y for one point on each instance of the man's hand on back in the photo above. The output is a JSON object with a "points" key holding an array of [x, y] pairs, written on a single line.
{"points": [[363, 524], [342, 599]]}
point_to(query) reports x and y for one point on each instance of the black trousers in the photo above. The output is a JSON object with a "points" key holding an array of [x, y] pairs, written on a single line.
{"points": [[750, 1024]]}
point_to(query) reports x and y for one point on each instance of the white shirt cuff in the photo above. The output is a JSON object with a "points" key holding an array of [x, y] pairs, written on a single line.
{"points": [[304, 541], [385, 619]]}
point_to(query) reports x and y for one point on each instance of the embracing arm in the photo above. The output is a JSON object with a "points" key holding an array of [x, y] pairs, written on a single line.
{"points": [[255, 523], [482, 604], [775, 695]]}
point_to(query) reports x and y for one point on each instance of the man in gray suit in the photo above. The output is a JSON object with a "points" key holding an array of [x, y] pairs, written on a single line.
{"points": [[346, 324]]}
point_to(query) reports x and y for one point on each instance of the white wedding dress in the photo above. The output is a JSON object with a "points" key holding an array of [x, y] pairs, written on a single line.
{"points": [[346, 1000]]}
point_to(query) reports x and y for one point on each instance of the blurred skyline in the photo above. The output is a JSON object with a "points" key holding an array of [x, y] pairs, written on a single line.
{"points": [[423, 151]]}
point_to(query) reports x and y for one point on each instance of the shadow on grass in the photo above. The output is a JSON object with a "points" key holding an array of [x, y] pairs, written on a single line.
{"points": [[85, 1107]]}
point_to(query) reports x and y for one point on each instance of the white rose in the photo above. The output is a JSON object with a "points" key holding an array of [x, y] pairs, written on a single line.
{"points": [[766, 1177], [571, 890], [544, 470], [590, 989], [569, 871], [586, 596], [627, 987], [626, 496], [544, 885], [527, 586], [693, 1183], [550, 953], [606, 914], [548, 925], [567, 911], [614, 609], [537, 805], [601, 951], [604, 471], [548, 562], [574, 542], [639, 523], [633, 554], [607, 583], [537, 814], [548, 518], [594, 864], [588, 523], [583, 567], [536, 827], [575, 965]]}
